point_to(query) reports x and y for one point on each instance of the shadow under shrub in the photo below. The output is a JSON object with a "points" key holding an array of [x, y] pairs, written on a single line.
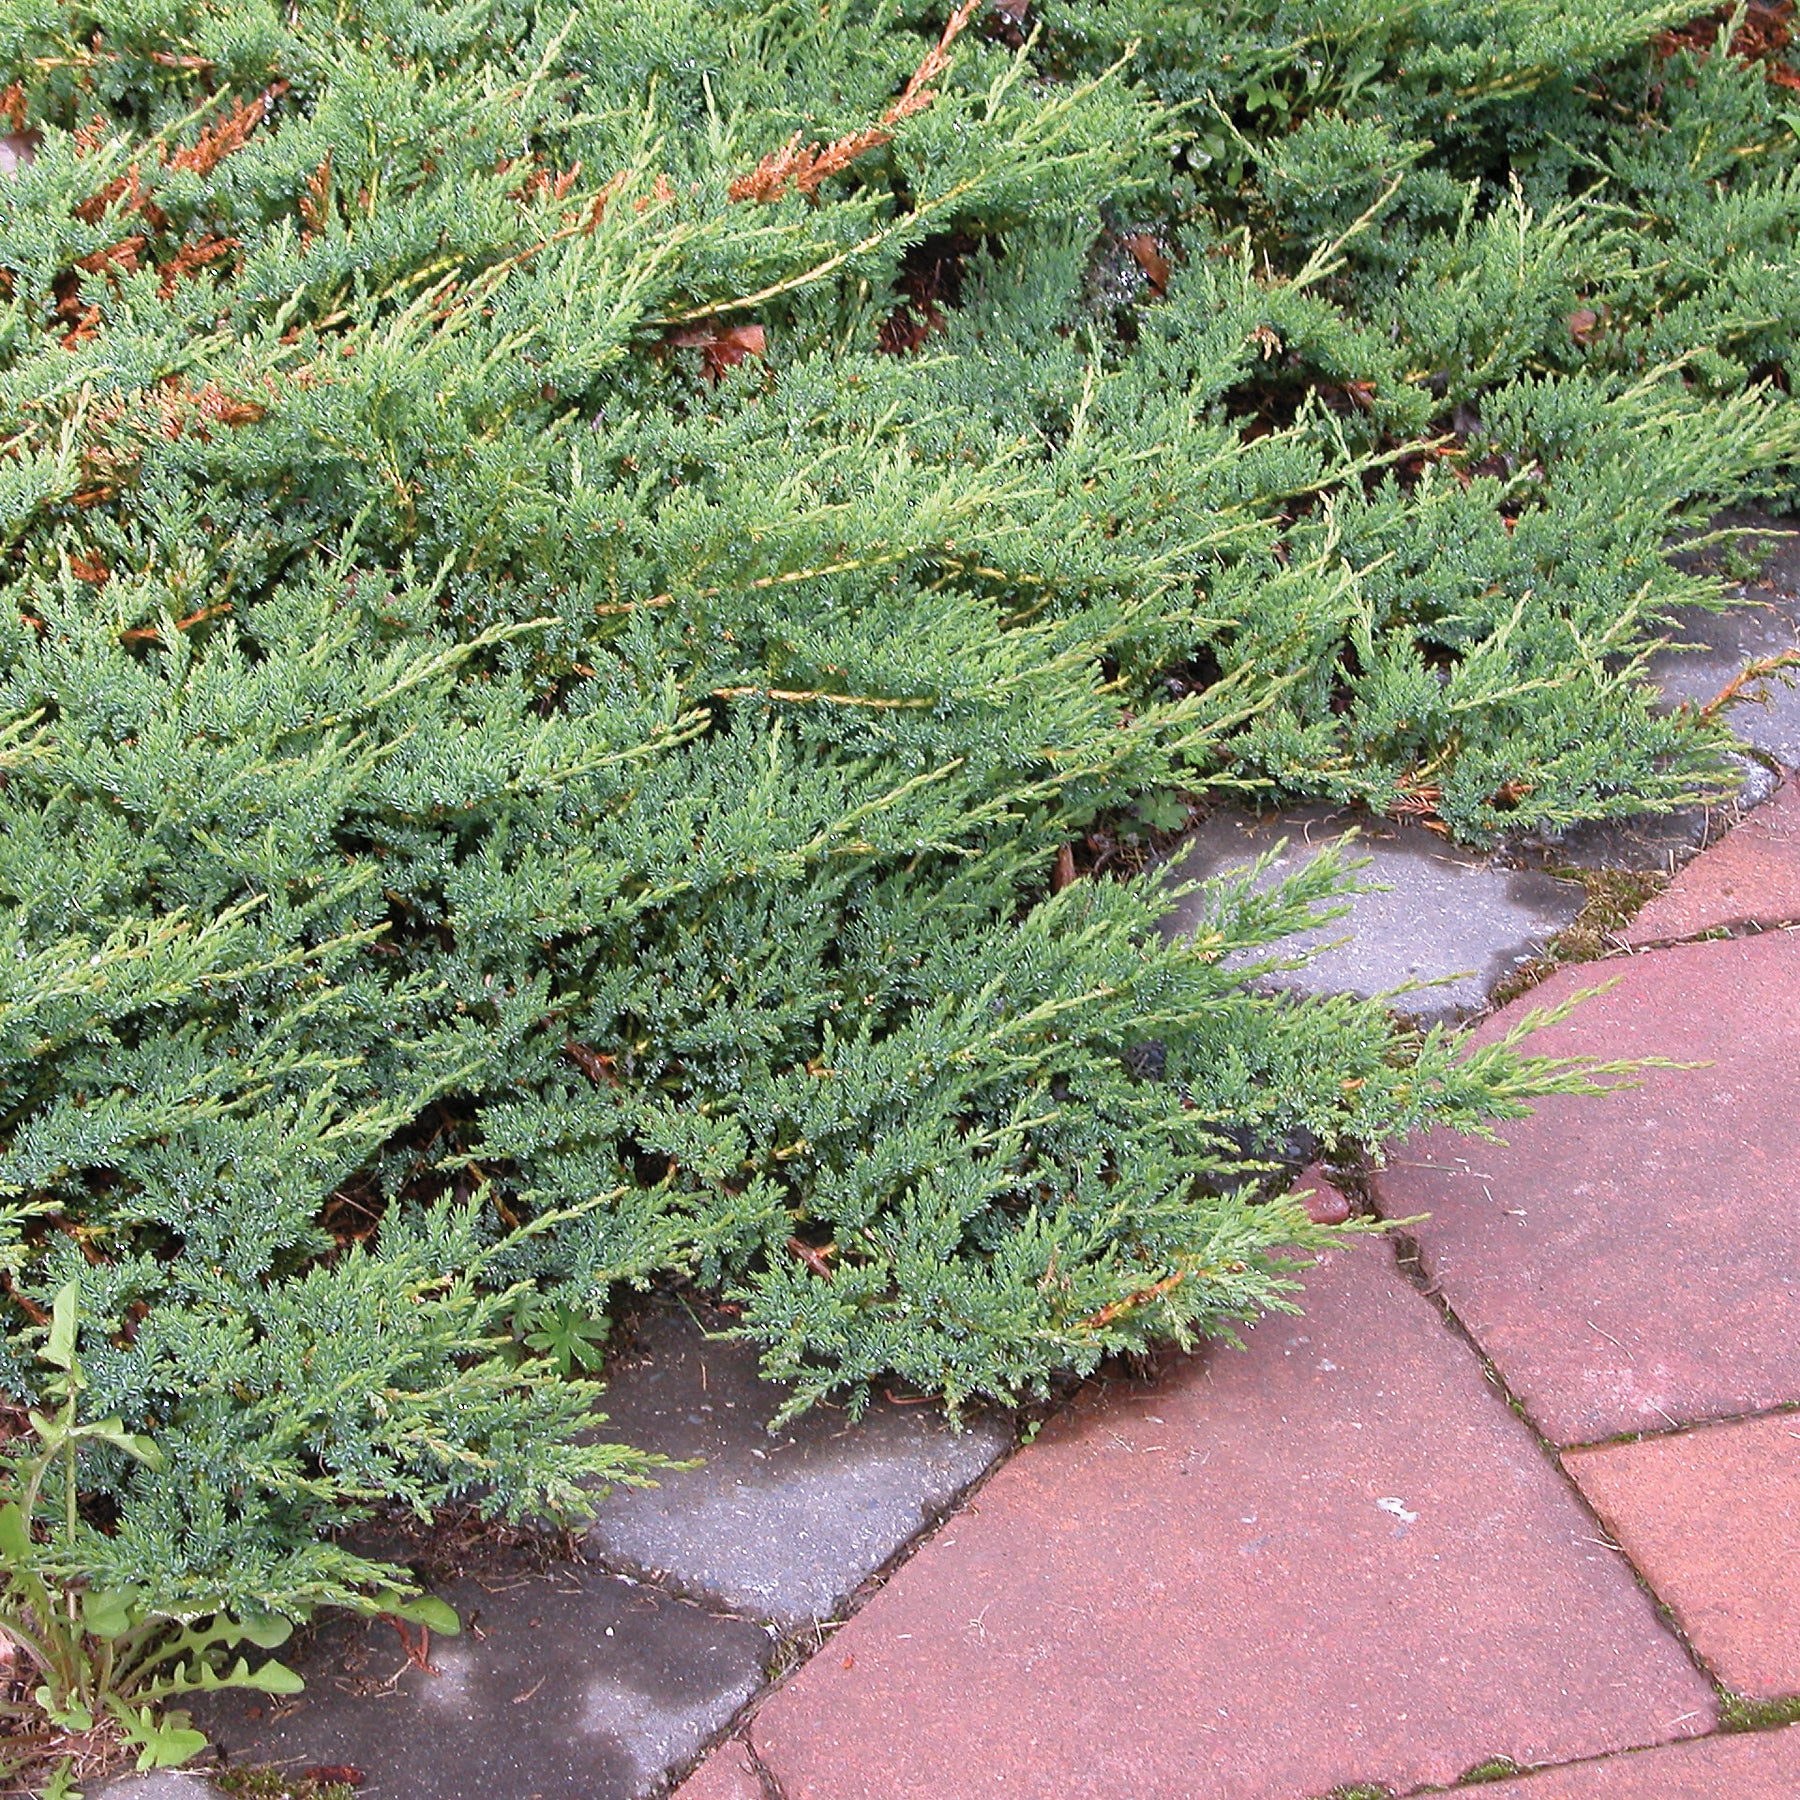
{"points": [[559, 637]]}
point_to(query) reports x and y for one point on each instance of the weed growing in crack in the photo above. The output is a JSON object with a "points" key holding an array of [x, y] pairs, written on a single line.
{"points": [[1494, 1768]]}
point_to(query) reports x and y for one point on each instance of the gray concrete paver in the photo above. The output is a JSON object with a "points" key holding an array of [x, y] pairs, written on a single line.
{"points": [[784, 1526], [1447, 916], [571, 1686]]}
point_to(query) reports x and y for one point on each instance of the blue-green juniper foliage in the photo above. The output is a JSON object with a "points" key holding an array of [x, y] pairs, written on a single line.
{"points": [[579, 579]]}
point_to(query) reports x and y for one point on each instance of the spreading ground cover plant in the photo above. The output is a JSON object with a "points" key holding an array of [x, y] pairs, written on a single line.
{"points": [[592, 596]]}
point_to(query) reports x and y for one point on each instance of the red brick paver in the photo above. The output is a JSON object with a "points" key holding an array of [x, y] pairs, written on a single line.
{"points": [[1762, 1765], [1712, 1520], [1633, 1262], [1334, 1557], [1751, 878], [725, 1775]]}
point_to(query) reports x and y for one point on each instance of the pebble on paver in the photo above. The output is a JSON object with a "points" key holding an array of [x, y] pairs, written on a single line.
{"points": [[1446, 912], [1632, 1261], [1711, 1518], [784, 1526], [573, 1686], [1751, 878], [1333, 1557], [1763, 1765]]}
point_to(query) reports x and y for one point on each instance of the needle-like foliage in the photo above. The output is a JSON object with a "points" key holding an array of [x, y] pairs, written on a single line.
{"points": [[586, 587]]}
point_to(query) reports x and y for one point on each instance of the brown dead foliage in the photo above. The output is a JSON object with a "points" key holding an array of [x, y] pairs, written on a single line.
{"points": [[84, 328], [1148, 256], [127, 188], [1766, 31], [218, 141], [122, 258], [201, 157], [1585, 325], [315, 200], [129, 195], [196, 409], [540, 184], [661, 189], [192, 257], [119, 426], [804, 167], [721, 347]]}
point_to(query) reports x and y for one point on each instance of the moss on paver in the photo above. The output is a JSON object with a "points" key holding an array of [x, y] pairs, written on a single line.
{"points": [[264, 1783], [1495, 1768], [1738, 1712], [1614, 898]]}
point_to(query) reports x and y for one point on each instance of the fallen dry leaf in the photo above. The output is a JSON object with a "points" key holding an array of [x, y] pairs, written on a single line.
{"points": [[1151, 260], [721, 347], [17, 148]]}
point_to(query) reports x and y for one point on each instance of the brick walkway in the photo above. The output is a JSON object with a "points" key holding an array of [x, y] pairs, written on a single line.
{"points": [[1517, 1500]]}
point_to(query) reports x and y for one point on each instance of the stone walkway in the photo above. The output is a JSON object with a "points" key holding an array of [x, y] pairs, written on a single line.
{"points": [[1520, 1491], [1515, 1502]]}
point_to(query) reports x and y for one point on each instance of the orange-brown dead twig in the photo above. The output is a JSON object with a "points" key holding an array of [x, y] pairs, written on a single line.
{"points": [[217, 142], [1760, 670], [1117, 1309], [804, 167], [816, 1260], [598, 1068]]}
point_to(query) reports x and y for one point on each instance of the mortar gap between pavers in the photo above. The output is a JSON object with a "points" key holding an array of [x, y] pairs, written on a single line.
{"points": [[736, 1733], [771, 1782], [1686, 1427], [1409, 1259], [1617, 895], [1624, 1753], [1614, 898], [1353, 1175], [794, 1649]]}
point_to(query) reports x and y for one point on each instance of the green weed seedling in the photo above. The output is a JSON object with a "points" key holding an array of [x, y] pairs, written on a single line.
{"points": [[105, 1657], [570, 1337]]}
